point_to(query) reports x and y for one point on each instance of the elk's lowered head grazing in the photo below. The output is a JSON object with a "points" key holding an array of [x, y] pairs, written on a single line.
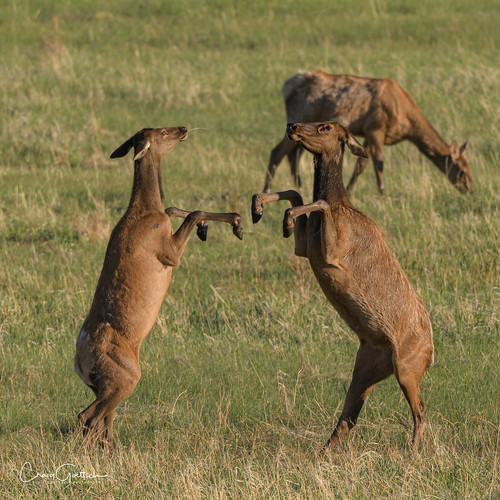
{"points": [[458, 170]]}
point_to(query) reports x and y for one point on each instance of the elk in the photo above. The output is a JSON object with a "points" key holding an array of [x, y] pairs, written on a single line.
{"points": [[359, 275], [377, 109], [142, 251]]}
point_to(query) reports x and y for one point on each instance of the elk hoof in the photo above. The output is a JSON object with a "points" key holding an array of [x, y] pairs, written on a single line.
{"points": [[323, 455], [238, 231], [201, 232], [287, 231], [288, 225], [256, 216], [256, 209]]}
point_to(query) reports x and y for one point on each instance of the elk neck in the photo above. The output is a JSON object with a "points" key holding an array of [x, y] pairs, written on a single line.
{"points": [[430, 143], [147, 191], [328, 182]]}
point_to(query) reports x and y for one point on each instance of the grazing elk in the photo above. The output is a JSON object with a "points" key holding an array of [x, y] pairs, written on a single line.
{"points": [[359, 275], [378, 109], [134, 280]]}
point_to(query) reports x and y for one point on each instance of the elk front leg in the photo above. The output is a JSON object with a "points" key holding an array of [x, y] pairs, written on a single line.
{"points": [[181, 236], [361, 164], [373, 145], [173, 246], [201, 232], [284, 148], [378, 165], [258, 202], [293, 161], [292, 217]]}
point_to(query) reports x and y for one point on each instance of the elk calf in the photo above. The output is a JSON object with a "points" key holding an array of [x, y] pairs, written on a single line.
{"points": [[378, 109], [134, 280], [359, 275]]}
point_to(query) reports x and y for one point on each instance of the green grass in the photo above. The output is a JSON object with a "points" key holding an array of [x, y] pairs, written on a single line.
{"points": [[247, 366]]}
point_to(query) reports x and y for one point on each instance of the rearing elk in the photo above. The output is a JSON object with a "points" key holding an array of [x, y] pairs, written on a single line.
{"points": [[378, 109], [359, 275], [134, 280]]}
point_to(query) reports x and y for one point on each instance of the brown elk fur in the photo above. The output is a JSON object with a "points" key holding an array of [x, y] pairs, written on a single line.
{"points": [[359, 275], [378, 109], [134, 280]]}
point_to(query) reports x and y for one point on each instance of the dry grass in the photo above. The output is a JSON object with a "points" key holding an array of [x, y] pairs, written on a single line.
{"points": [[259, 460], [247, 367]]}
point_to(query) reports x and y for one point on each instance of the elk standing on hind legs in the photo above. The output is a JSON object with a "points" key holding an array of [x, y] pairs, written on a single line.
{"points": [[378, 109], [359, 276], [134, 280]]}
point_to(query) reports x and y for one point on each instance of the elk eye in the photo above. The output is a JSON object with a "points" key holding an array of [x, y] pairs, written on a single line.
{"points": [[327, 127], [164, 132]]}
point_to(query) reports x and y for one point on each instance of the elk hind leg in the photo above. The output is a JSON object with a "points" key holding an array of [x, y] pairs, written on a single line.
{"points": [[372, 365], [409, 373], [97, 419], [108, 428]]}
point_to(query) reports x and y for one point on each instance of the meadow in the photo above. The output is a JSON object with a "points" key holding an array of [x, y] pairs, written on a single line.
{"points": [[246, 370]]}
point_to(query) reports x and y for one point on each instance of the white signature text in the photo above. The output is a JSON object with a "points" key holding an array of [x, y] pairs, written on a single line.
{"points": [[65, 473]]}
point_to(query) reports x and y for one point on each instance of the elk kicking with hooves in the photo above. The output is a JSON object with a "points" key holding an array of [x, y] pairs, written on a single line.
{"points": [[359, 275], [378, 109], [141, 253]]}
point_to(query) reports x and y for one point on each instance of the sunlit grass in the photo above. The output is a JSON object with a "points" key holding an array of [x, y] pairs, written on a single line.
{"points": [[247, 366]]}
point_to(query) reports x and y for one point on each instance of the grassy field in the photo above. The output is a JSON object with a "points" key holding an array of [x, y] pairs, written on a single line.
{"points": [[247, 366]]}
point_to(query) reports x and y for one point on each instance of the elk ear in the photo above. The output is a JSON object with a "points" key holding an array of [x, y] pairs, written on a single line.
{"points": [[123, 149], [454, 151], [355, 147], [141, 149], [462, 147]]}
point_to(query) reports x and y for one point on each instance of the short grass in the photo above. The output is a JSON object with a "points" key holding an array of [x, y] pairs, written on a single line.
{"points": [[247, 367]]}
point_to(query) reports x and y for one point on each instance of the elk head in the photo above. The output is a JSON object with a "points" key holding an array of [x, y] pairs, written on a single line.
{"points": [[159, 141]]}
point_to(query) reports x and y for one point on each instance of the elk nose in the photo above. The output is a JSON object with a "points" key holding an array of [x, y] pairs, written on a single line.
{"points": [[291, 127], [183, 130]]}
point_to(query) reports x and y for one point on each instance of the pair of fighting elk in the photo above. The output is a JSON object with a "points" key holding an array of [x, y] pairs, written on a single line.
{"points": [[347, 252]]}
